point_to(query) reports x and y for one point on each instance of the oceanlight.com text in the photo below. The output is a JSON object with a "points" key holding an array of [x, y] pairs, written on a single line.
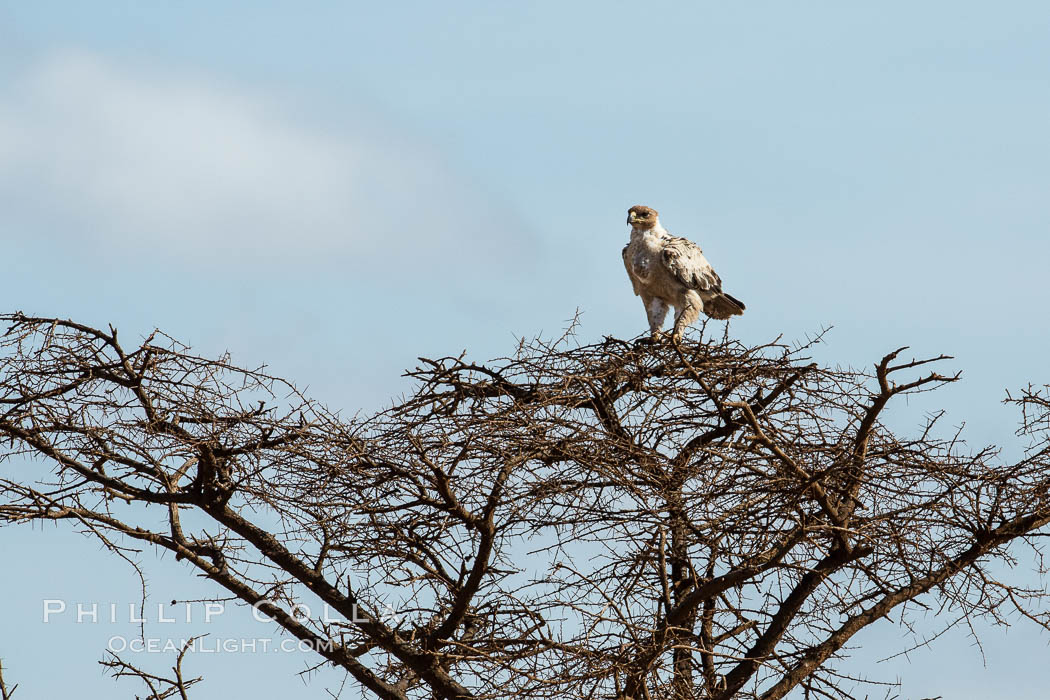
{"points": [[218, 645]]}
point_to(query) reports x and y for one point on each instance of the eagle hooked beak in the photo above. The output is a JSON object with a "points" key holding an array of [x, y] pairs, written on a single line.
{"points": [[631, 216]]}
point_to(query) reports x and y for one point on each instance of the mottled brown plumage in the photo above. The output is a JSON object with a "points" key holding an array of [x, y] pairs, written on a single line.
{"points": [[667, 271]]}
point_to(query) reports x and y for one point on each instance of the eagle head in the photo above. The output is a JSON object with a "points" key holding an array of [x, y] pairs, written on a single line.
{"points": [[642, 217]]}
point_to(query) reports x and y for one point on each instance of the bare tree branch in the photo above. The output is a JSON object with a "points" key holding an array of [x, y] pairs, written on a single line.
{"points": [[5, 692], [160, 687]]}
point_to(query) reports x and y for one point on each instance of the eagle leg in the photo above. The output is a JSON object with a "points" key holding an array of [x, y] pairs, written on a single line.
{"points": [[687, 314], [656, 311]]}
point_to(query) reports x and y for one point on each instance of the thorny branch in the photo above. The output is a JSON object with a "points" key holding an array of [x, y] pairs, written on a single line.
{"points": [[5, 692], [160, 687]]}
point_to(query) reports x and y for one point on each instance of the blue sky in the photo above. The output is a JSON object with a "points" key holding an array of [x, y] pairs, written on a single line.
{"points": [[336, 188]]}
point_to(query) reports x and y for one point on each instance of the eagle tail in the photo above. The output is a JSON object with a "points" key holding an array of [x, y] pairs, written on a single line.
{"points": [[722, 306]]}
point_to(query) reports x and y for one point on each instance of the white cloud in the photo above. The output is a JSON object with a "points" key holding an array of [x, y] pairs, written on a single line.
{"points": [[193, 169]]}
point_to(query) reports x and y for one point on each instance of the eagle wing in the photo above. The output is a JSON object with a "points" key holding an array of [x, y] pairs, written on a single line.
{"points": [[684, 260], [630, 272]]}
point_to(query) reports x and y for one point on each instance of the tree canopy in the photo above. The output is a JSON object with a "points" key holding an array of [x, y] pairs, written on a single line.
{"points": [[623, 519]]}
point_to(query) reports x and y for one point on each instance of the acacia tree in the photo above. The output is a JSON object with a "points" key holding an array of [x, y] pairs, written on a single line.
{"points": [[622, 519]]}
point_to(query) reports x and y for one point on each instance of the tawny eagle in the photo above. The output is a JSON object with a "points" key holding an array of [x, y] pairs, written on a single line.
{"points": [[667, 271]]}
